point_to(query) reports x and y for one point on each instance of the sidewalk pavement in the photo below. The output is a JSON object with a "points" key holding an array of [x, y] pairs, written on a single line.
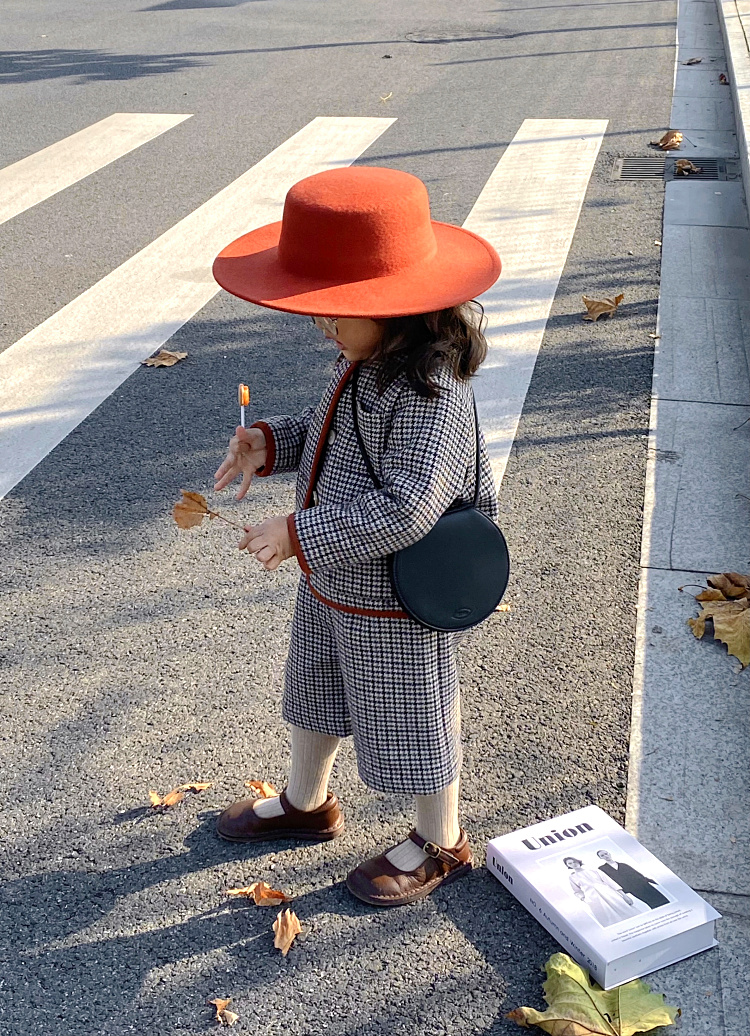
{"points": [[734, 16], [689, 781]]}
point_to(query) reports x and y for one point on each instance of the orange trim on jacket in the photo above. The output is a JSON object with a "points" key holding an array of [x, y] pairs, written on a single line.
{"points": [[267, 468], [324, 434], [292, 530], [351, 610]]}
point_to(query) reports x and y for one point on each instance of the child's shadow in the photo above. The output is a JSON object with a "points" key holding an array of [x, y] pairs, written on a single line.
{"points": [[58, 962], [57, 904]]}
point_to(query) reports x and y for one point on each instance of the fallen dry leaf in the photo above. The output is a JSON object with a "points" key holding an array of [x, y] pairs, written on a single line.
{"points": [[286, 928], [731, 584], [601, 307], [710, 595], [263, 789], [223, 1016], [261, 893], [723, 80], [693, 61], [164, 358], [669, 142], [196, 786], [731, 624], [170, 799], [503, 608], [577, 1007], [698, 626], [191, 510], [685, 167]]}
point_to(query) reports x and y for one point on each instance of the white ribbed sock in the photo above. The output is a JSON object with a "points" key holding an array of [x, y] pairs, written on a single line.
{"points": [[437, 821], [313, 755], [268, 808]]}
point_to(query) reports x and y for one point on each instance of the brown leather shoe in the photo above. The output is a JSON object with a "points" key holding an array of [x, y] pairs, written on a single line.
{"points": [[241, 823], [379, 883]]}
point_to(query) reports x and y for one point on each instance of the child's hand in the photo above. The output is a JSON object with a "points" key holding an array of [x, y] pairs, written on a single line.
{"points": [[246, 456], [269, 542]]}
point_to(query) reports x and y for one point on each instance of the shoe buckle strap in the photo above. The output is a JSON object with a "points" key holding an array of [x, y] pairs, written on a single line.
{"points": [[433, 850]]}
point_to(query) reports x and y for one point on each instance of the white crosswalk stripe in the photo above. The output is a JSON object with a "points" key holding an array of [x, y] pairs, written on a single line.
{"points": [[38, 177], [528, 210], [57, 374]]}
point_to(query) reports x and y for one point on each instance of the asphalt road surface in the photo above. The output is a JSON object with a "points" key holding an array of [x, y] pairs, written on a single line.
{"points": [[135, 656]]}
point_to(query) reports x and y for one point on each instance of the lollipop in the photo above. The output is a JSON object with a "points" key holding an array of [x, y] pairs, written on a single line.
{"points": [[243, 398]]}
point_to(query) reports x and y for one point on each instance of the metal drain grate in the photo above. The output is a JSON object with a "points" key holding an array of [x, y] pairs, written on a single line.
{"points": [[638, 168], [664, 168], [711, 169]]}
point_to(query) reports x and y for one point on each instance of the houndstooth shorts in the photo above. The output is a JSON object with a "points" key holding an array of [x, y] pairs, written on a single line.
{"points": [[389, 682]]}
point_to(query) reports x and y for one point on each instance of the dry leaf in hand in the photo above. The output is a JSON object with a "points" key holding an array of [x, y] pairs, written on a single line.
{"points": [[164, 358], [170, 799], [224, 1016], [261, 893], [195, 786], [669, 142], [732, 584], [577, 1007], [191, 510], [263, 789], [693, 61], [287, 928], [601, 307], [685, 167], [731, 622]]}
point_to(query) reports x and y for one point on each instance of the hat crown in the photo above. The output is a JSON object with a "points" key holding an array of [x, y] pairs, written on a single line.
{"points": [[353, 224]]}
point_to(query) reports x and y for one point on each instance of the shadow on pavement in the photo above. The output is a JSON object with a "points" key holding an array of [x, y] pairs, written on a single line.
{"points": [[68, 966], [191, 5]]}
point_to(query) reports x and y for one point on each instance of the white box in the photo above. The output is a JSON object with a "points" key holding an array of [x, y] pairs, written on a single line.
{"points": [[609, 902]]}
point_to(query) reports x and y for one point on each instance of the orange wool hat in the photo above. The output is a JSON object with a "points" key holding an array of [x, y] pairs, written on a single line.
{"points": [[358, 242]]}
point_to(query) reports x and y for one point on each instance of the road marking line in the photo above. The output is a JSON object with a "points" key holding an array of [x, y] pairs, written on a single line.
{"points": [[528, 210], [57, 374], [60, 165]]}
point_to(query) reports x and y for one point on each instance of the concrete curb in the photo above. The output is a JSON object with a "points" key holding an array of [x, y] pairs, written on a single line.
{"points": [[734, 16]]}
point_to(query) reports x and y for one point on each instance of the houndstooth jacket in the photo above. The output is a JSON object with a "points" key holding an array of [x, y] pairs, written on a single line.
{"points": [[343, 528]]}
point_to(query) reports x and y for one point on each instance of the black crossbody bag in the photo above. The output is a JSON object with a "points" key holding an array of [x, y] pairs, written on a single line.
{"points": [[456, 575]]}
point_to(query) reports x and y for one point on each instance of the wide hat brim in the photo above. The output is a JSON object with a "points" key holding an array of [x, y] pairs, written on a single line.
{"points": [[463, 266]]}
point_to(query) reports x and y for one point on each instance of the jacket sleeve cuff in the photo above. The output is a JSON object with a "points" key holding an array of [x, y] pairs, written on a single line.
{"points": [[292, 529], [267, 468]]}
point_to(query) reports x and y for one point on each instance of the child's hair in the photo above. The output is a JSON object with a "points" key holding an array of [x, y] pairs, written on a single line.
{"points": [[417, 346]]}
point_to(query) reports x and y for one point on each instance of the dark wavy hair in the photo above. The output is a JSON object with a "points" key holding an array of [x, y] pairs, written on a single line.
{"points": [[416, 347]]}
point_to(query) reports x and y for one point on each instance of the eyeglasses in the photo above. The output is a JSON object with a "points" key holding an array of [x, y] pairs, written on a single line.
{"points": [[327, 325]]}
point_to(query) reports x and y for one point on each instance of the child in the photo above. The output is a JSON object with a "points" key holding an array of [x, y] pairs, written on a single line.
{"points": [[359, 243]]}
